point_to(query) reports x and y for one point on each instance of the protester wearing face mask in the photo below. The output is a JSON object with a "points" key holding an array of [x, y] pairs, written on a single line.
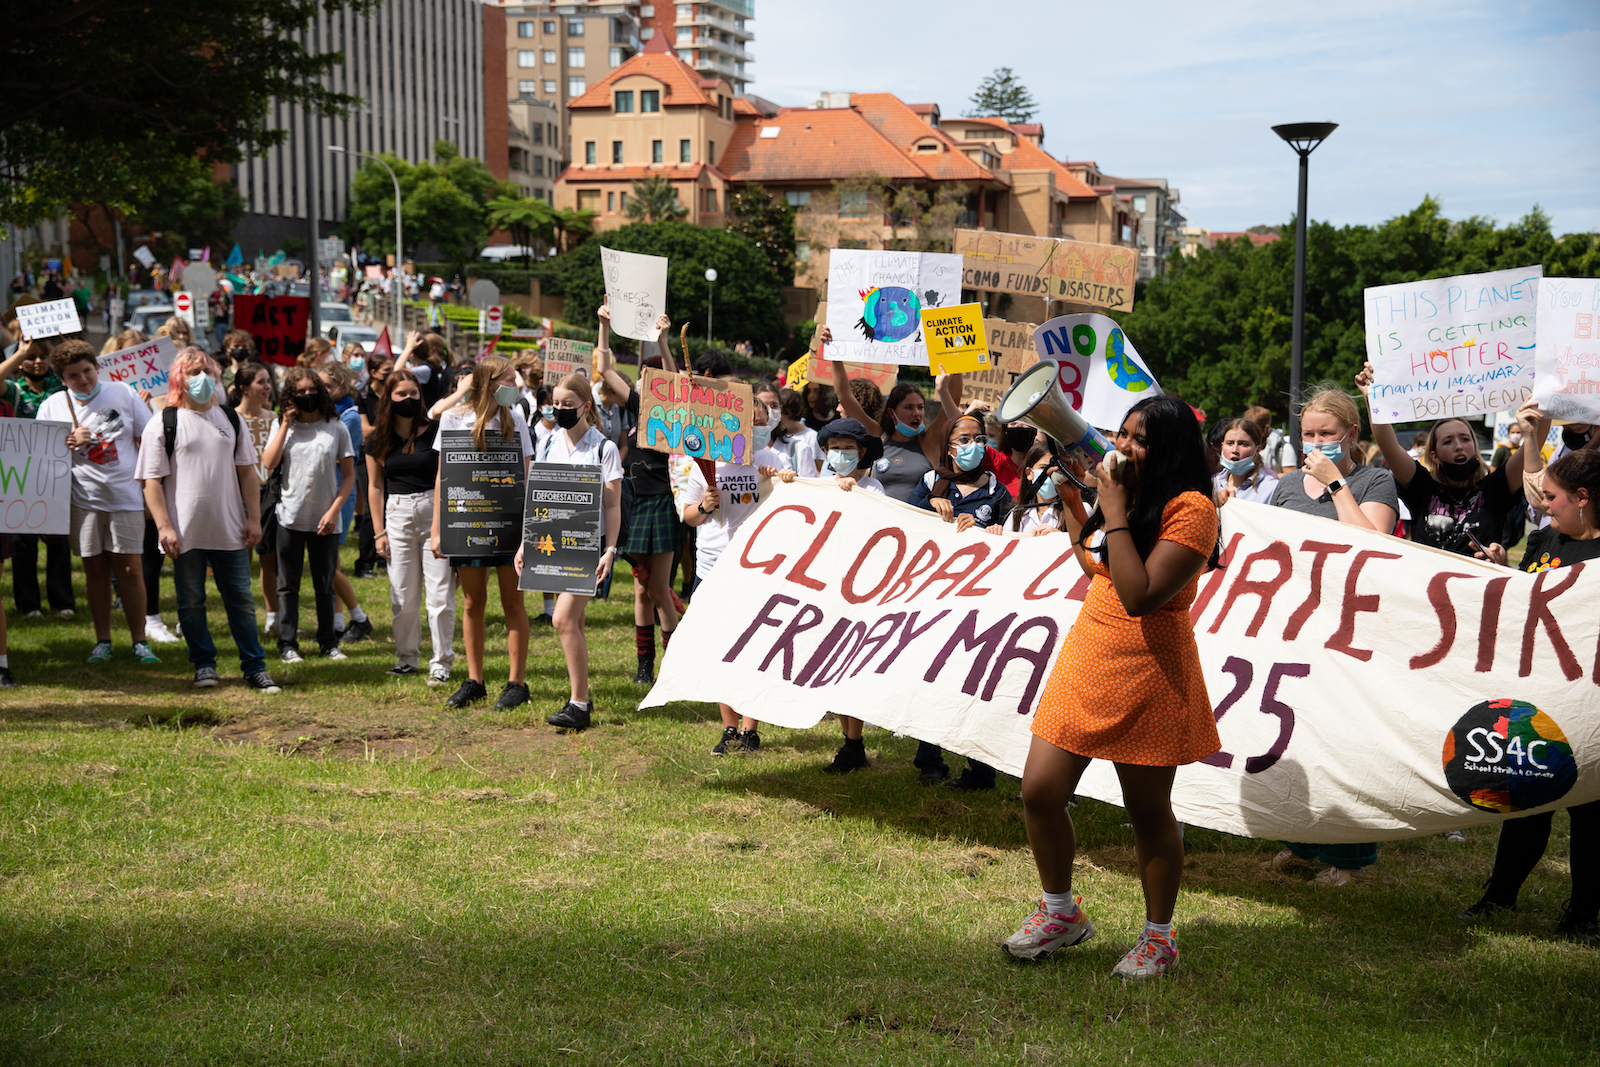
{"points": [[238, 348], [486, 403], [190, 460], [1038, 509], [354, 357], [1244, 474], [26, 381], [794, 438], [402, 466], [351, 624], [1452, 498]]}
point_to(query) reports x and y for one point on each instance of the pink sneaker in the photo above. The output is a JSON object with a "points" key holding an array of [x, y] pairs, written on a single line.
{"points": [[1044, 932], [1150, 956]]}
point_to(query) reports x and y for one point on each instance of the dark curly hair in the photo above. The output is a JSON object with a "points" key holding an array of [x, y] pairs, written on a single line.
{"points": [[1175, 463]]}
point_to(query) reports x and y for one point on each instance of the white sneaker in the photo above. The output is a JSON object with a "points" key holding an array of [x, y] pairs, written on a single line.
{"points": [[1338, 876], [1044, 932], [272, 622], [1149, 958], [289, 655], [438, 676], [335, 653], [157, 633], [1283, 859]]}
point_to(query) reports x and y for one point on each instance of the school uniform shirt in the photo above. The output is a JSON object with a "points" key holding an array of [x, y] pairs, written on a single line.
{"points": [[593, 448], [1024, 521], [104, 474], [988, 504], [1258, 490], [465, 420], [201, 480], [738, 485], [312, 451]]}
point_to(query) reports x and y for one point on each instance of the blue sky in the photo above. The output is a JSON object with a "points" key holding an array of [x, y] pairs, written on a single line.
{"points": [[1490, 107]]}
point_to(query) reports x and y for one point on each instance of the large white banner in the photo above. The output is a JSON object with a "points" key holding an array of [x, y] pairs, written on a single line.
{"points": [[875, 302], [1364, 687], [1567, 361], [1459, 346]]}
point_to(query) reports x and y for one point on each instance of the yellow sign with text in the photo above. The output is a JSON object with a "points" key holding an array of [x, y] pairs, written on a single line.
{"points": [[956, 340], [796, 376]]}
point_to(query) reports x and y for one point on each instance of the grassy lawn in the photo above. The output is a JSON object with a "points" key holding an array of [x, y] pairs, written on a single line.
{"points": [[349, 873]]}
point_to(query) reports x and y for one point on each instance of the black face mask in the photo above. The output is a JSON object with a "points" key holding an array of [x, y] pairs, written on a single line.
{"points": [[1574, 439], [566, 418], [307, 401], [1459, 470], [1020, 438], [409, 408], [238, 355]]}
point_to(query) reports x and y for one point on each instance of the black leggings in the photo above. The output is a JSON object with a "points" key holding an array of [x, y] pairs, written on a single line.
{"points": [[152, 559], [1522, 844]]}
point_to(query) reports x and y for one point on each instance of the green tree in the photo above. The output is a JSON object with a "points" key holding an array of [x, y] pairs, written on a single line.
{"points": [[766, 222], [107, 98], [1002, 94], [573, 226], [1217, 327], [192, 210], [655, 200], [749, 294], [446, 203], [527, 219]]}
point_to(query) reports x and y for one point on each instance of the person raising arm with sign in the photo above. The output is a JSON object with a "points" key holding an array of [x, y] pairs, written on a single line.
{"points": [[1127, 686]]}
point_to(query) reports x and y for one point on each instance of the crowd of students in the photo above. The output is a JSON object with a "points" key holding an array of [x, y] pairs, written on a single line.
{"points": [[240, 458]]}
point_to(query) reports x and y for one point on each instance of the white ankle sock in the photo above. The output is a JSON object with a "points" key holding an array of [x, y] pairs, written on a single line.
{"points": [[338, 620], [5, 661], [1060, 904], [272, 620], [1161, 930], [549, 605], [581, 704], [357, 614], [152, 620]]}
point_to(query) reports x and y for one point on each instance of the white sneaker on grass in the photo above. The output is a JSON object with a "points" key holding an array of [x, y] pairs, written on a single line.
{"points": [[335, 653], [1044, 932], [156, 631], [290, 655], [1150, 957], [1338, 876]]}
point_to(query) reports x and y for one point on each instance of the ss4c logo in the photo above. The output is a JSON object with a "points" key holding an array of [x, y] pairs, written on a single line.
{"points": [[1506, 756]]}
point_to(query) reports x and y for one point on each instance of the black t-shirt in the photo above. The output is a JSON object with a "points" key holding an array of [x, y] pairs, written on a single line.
{"points": [[646, 466], [1441, 515], [1548, 549], [411, 472]]}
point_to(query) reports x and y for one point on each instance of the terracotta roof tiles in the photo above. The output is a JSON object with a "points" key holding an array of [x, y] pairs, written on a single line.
{"points": [[681, 84], [821, 144]]}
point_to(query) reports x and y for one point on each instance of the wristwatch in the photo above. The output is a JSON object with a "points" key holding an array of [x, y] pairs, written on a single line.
{"points": [[701, 508], [1334, 486], [610, 550]]}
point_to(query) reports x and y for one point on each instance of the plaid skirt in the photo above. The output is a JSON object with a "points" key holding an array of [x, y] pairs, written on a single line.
{"points": [[655, 526]]}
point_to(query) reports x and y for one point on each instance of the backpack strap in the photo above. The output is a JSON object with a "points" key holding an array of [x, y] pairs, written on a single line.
{"points": [[169, 429]]}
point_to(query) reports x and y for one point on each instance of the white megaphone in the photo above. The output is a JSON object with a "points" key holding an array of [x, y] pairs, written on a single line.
{"points": [[1036, 399]]}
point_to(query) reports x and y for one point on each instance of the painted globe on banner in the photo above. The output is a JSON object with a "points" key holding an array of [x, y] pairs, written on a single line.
{"points": [[1124, 372], [1507, 756], [892, 313]]}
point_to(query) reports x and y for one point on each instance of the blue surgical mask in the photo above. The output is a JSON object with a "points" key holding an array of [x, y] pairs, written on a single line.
{"points": [[202, 387], [1333, 450], [548, 411], [969, 456], [842, 462], [506, 395], [1047, 491], [357, 363], [84, 398], [1243, 466], [908, 431], [761, 436]]}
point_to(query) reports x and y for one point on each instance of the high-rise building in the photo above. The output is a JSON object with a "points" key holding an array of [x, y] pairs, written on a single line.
{"points": [[422, 70], [712, 36]]}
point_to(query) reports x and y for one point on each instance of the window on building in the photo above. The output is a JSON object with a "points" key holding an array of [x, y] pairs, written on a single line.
{"points": [[616, 57], [624, 102], [853, 204], [711, 152], [574, 27], [524, 29], [685, 34], [686, 11], [555, 138], [685, 154], [550, 86], [550, 55], [711, 201], [647, 10], [516, 160], [649, 99], [686, 54], [655, 152], [538, 133], [550, 26], [622, 201], [576, 85], [588, 152], [802, 251], [1139, 203], [1126, 231], [538, 166], [575, 58], [611, 201], [589, 200], [852, 242], [616, 151], [527, 58], [798, 197], [527, 88]]}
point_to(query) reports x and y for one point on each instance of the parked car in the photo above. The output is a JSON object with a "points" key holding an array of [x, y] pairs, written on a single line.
{"points": [[148, 319], [365, 336]]}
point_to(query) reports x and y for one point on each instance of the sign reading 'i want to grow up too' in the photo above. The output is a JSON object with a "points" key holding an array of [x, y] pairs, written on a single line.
{"points": [[706, 418]]}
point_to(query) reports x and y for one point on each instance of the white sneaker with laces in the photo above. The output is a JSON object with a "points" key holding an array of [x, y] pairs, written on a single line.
{"points": [[1044, 932], [1337, 876], [289, 655], [438, 676], [335, 653], [1149, 958], [156, 632]]}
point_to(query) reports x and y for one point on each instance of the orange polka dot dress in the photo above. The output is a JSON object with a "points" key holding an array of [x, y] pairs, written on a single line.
{"points": [[1130, 689]]}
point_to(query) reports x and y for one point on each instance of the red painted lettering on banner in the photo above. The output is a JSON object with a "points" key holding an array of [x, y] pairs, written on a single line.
{"points": [[1320, 551], [1489, 624], [847, 588], [771, 565], [914, 570], [977, 553], [1032, 592], [1080, 588], [1277, 552], [1539, 612], [797, 574], [1439, 597], [1213, 581], [972, 588], [1355, 605]]}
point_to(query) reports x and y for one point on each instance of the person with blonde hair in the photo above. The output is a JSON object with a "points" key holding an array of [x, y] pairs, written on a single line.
{"points": [[179, 330], [486, 403], [318, 351], [122, 339]]}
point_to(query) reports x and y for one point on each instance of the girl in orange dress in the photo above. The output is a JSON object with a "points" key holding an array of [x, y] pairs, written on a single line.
{"points": [[1127, 686]]}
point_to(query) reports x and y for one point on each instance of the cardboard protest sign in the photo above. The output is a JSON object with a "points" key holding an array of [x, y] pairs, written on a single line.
{"points": [[1567, 359], [636, 291], [144, 366], [1459, 346], [956, 339], [707, 418], [1365, 688], [1101, 372], [563, 528], [563, 356], [279, 325], [1059, 269], [481, 493], [49, 319], [35, 477], [876, 297], [1010, 353]]}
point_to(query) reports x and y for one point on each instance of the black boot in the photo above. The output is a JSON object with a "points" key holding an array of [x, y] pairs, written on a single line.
{"points": [[852, 755], [646, 674]]}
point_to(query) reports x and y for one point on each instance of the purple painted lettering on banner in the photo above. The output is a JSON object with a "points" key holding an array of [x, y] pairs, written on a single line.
{"points": [[763, 618], [873, 642], [1271, 705], [843, 655], [1039, 658], [969, 638], [907, 635], [804, 619], [1242, 673], [820, 656]]}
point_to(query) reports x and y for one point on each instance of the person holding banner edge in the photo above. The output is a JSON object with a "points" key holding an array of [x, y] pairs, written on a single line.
{"points": [[1159, 530]]}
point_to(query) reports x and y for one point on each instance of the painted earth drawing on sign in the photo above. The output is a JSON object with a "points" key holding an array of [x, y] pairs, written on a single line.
{"points": [[892, 313], [1123, 371]]}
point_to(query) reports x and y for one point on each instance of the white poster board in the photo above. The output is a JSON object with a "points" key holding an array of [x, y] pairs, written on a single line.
{"points": [[143, 366], [144, 256], [636, 291], [1101, 372], [35, 477], [1567, 360], [875, 302], [49, 319], [1452, 347]]}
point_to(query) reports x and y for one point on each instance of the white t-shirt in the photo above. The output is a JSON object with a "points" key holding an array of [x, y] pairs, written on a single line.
{"points": [[104, 475], [1258, 490], [201, 482], [870, 484], [738, 485], [804, 455], [465, 420], [312, 451], [592, 448], [1024, 521]]}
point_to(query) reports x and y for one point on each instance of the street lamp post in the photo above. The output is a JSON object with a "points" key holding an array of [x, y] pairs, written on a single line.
{"points": [[711, 296], [1303, 137], [397, 287]]}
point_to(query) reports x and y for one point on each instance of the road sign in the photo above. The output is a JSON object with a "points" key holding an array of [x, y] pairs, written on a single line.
{"points": [[200, 279], [495, 317], [483, 294]]}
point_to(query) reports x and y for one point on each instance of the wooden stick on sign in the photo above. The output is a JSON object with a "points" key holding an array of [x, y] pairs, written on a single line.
{"points": [[708, 467]]}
